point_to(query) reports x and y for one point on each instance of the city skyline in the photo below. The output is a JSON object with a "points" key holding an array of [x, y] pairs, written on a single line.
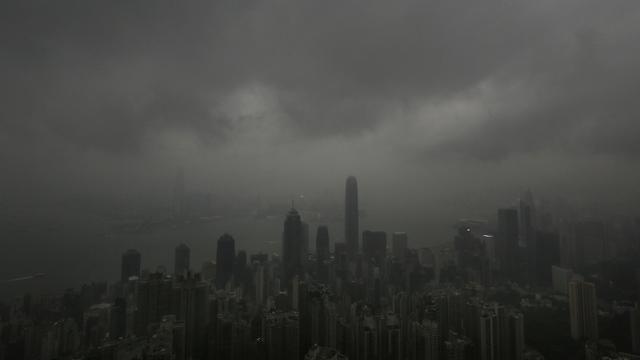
{"points": [[364, 293], [319, 180]]}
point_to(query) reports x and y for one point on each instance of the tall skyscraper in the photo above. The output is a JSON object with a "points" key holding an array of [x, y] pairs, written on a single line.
{"points": [[399, 245], [583, 310], [181, 259], [508, 240], [292, 238], [130, 264], [351, 216], [225, 258]]}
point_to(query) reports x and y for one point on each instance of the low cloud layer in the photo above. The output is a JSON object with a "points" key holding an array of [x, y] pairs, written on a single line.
{"points": [[111, 97]]}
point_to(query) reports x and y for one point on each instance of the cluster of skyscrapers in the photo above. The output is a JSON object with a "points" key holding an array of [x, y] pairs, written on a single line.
{"points": [[365, 298]]}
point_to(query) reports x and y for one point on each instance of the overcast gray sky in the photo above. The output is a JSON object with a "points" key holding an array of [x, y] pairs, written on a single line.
{"points": [[435, 106]]}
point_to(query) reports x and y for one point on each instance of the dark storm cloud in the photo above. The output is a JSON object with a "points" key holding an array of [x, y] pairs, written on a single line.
{"points": [[124, 67], [110, 75], [105, 75], [582, 82], [442, 109]]}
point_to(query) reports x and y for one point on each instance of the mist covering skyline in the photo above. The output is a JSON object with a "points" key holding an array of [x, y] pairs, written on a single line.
{"points": [[442, 110]]}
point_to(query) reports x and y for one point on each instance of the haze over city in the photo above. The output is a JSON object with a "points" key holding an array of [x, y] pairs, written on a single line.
{"points": [[147, 124]]}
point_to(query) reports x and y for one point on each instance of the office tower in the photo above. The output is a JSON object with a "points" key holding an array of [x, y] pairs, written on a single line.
{"points": [[322, 242], [130, 264], [291, 247], [181, 260], [374, 246], [225, 258], [526, 223], [508, 241], [583, 310], [351, 217], [295, 293], [399, 245]]}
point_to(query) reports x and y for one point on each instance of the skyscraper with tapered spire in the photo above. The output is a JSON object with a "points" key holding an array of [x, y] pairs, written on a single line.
{"points": [[292, 239], [351, 221]]}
